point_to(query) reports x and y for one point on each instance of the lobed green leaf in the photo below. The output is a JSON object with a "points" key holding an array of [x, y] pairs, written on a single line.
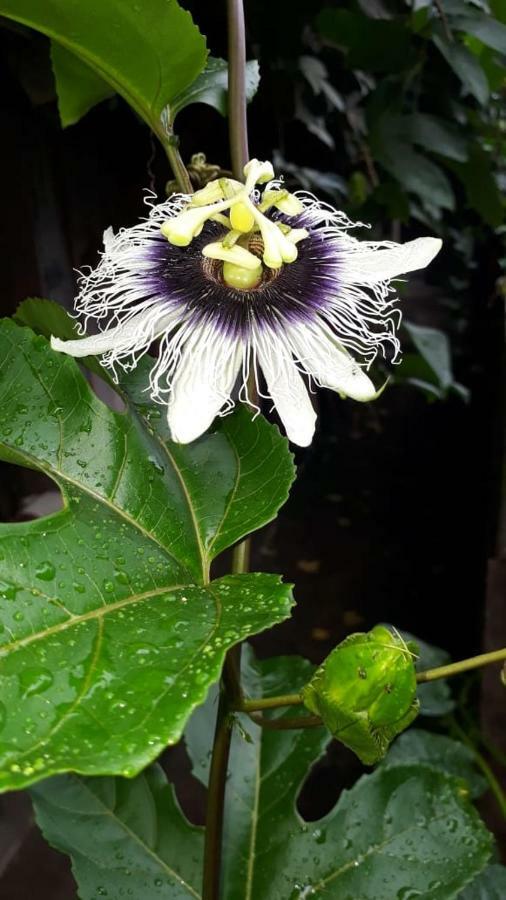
{"points": [[111, 634]]}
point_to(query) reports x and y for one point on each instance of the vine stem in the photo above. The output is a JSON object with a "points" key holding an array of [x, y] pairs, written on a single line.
{"points": [[237, 115], [464, 665], [230, 688], [170, 145]]}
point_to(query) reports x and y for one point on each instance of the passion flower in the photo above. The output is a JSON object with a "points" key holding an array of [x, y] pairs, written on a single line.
{"points": [[239, 278]]}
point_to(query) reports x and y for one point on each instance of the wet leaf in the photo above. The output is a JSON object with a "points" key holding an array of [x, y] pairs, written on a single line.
{"points": [[110, 635], [148, 53], [365, 691], [435, 697], [438, 751], [124, 837], [490, 885], [391, 837]]}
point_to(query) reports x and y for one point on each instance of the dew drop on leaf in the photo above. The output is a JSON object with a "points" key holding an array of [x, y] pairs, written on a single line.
{"points": [[45, 571]]}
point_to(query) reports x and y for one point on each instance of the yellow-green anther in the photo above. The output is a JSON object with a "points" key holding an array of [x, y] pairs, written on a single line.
{"points": [[257, 172], [230, 187], [236, 255], [212, 192], [290, 205], [277, 248], [297, 234], [181, 230], [282, 200]]}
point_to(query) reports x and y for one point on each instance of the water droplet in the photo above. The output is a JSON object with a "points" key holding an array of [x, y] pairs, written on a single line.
{"points": [[35, 681], [45, 571], [8, 590]]}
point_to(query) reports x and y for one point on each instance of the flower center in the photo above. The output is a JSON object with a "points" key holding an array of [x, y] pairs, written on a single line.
{"points": [[238, 277], [248, 228]]}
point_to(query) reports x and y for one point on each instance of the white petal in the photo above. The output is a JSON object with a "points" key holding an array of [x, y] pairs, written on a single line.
{"points": [[371, 266], [203, 383], [330, 364], [139, 331], [288, 391]]}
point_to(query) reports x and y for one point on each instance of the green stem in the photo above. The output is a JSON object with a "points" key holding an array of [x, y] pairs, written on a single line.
{"points": [[465, 665], [259, 703], [284, 723], [170, 143], [231, 692], [237, 116]]}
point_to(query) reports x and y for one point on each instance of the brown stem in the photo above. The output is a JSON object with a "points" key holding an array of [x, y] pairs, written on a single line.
{"points": [[237, 116]]}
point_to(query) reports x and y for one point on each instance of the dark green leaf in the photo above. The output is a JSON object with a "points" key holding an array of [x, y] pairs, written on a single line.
{"points": [[125, 838], [490, 885], [46, 317], [78, 87], [435, 697], [437, 135], [372, 44], [418, 175], [390, 837], [482, 190], [434, 347], [236, 495], [211, 87], [104, 606], [488, 30], [466, 67], [438, 751], [148, 53]]}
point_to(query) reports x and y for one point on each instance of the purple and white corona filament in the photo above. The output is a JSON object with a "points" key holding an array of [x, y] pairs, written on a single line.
{"points": [[233, 280]]}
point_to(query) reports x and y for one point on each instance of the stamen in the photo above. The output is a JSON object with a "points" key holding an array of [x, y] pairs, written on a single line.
{"points": [[236, 255]]}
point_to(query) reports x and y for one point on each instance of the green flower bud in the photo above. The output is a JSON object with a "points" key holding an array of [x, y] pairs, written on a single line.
{"points": [[365, 691]]}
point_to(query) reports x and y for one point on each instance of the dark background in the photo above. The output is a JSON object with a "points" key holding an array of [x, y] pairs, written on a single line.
{"points": [[396, 511]]}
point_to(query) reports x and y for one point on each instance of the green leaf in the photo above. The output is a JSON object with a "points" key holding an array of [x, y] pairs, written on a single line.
{"points": [[418, 174], [237, 494], [482, 190], [437, 135], [46, 317], [148, 53], [365, 692], [434, 347], [439, 752], [124, 837], [262, 766], [211, 87], [466, 67], [78, 87], [488, 30], [490, 885], [393, 833], [104, 606]]}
